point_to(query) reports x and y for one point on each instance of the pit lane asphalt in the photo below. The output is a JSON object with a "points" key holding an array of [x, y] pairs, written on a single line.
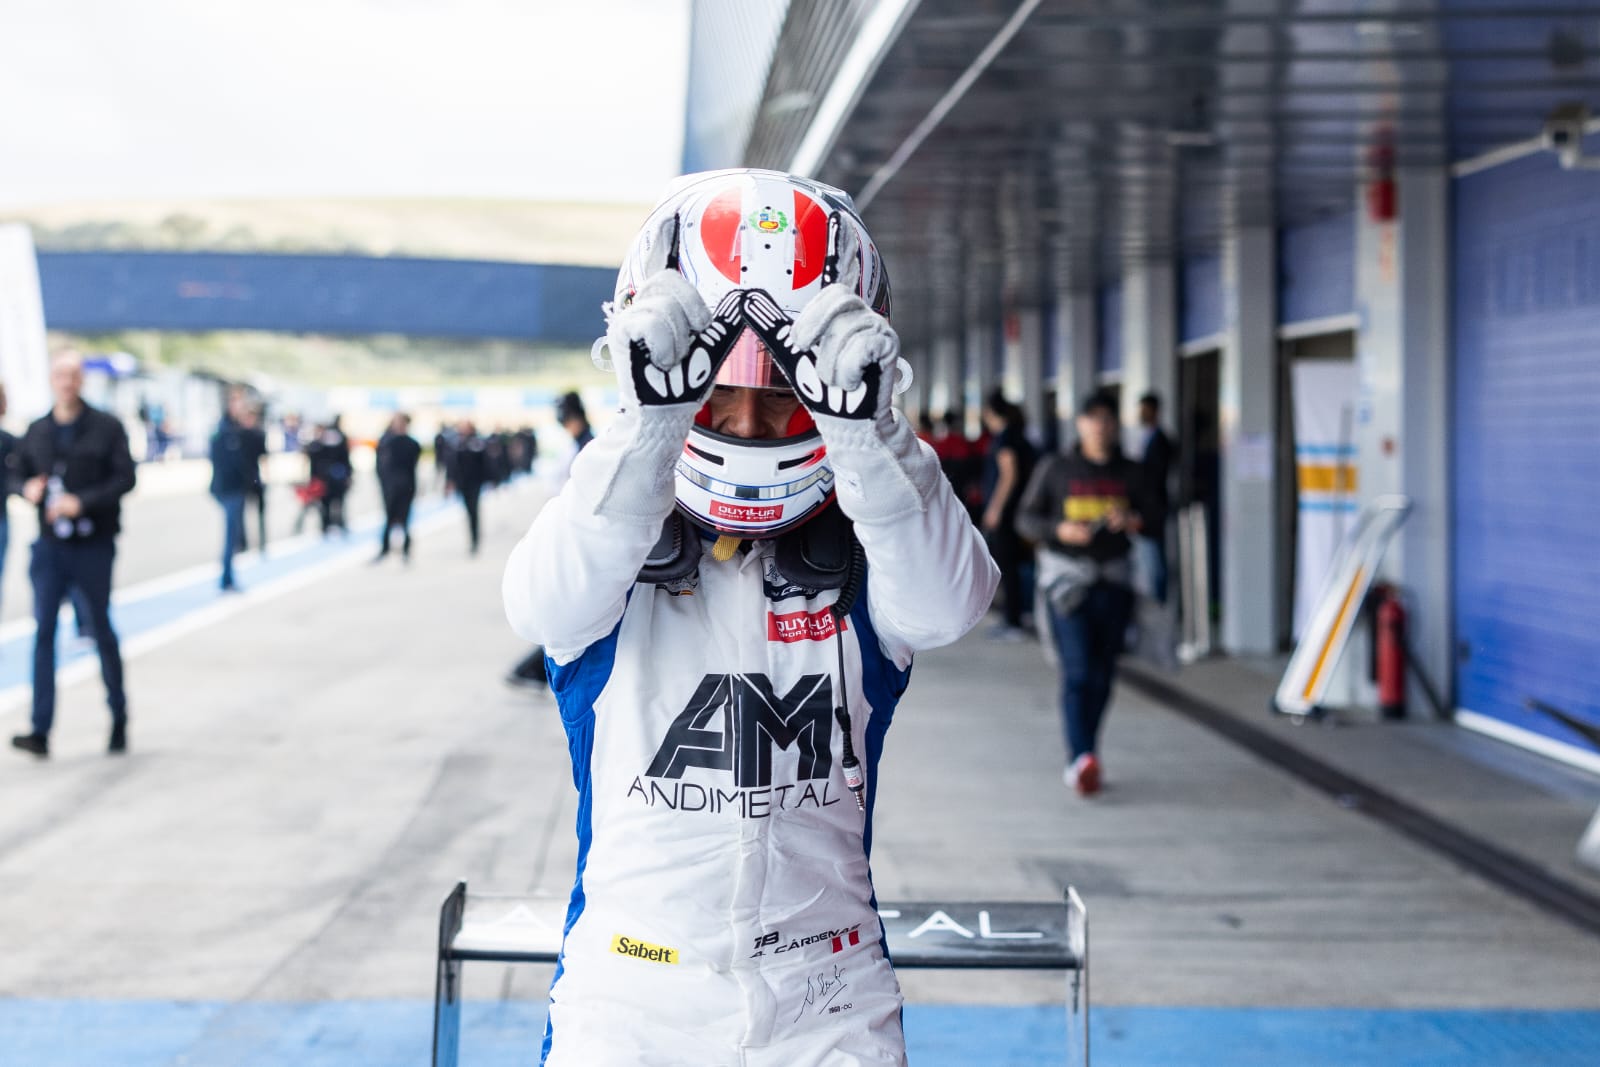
{"points": [[312, 771]]}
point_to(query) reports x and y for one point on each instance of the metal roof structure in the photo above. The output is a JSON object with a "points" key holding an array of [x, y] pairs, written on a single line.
{"points": [[1009, 146]]}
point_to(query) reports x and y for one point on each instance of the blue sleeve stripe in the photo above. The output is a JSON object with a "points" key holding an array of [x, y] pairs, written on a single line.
{"points": [[577, 685], [882, 683]]}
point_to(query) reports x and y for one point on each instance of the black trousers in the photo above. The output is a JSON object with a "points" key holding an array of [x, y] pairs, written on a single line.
{"points": [[1009, 555], [397, 500], [57, 569], [469, 498]]}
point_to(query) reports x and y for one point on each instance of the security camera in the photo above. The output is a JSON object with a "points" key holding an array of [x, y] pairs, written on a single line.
{"points": [[1564, 130]]}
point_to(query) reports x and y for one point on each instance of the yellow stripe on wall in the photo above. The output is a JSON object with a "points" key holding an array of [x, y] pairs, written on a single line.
{"points": [[1327, 478]]}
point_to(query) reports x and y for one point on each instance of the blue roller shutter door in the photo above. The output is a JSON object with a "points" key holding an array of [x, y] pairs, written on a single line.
{"points": [[1527, 445]]}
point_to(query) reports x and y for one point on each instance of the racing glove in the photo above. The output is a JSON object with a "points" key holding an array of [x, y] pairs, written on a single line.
{"points": [[841, 357], [666, 346]]}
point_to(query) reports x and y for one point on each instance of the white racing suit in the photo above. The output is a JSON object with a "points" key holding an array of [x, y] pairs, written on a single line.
{"points": [[723, 912]]}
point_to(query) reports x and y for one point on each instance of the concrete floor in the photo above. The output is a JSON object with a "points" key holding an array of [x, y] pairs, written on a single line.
{"points": [[311, 773]]}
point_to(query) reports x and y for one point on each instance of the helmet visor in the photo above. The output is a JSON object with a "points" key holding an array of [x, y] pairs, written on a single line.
{"points": [[749, 365]]}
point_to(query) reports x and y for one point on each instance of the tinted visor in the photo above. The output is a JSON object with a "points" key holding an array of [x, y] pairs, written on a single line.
{"points": [[750, 365]]}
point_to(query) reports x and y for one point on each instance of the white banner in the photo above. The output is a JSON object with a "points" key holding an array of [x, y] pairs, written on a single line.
{"points": [[1325, 457], [24, 352]]}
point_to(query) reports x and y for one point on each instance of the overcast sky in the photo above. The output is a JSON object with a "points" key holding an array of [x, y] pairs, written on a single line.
{"points": [[160, 99]]}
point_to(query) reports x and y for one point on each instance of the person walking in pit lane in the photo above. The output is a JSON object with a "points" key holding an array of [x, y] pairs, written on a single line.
{"points": [[235, 466], [470, 465], [731, 588], [398, 455], [1081, 509], [75, 468]]}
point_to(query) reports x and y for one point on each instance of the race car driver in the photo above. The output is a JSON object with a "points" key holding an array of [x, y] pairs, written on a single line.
{"points": [[730, 589]]}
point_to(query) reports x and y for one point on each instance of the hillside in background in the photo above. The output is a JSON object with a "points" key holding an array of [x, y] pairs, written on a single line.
{"points": [[515, 230]]}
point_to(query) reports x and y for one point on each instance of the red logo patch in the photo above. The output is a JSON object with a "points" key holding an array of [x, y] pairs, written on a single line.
{"points": [[746, 512], [852, 938], [801, 626]]}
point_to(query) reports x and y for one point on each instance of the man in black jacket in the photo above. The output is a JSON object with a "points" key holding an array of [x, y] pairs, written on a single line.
{"points": [[398, 453], [75, 467]]}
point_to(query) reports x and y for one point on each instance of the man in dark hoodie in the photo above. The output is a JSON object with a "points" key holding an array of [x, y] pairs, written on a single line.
{"points": [[1081, 509], [75, 468]]}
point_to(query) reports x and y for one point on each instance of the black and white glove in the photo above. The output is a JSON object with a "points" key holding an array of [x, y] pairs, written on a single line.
{"points": [[666, 347], [841, 357]]}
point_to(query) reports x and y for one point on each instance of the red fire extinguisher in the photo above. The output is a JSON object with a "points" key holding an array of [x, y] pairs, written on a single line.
{"points": [[1390, 664]]}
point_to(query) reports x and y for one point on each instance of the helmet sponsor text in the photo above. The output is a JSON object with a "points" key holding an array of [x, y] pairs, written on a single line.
{"points": [[746, 512]]}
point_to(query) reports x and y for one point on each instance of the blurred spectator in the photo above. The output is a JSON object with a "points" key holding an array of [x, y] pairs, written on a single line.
{"points": [[256, 492], [8, 481], [443, 444], [497, 451], [398, 454], [329, 456], [235, 465], [76, 468], [1155, 462], [530, 671], [152, 416], [310, 491], [925, 427], [1081, 509], [1008, 464], [527, 450], [469, 472], [291, 432], [961, 462]]}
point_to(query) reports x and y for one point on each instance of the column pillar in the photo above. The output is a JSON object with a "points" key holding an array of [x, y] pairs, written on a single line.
{"points": [[1248, 417], [1149, 337], [1075, 339], [1031, 341], [1403, 405]]}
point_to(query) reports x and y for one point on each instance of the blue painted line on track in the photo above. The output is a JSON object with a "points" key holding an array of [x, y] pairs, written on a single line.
{"points": [[77, 1033], [135, 617]]}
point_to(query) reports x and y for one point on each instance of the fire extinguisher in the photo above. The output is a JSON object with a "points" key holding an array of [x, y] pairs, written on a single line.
{"points": [[1390, 660]]}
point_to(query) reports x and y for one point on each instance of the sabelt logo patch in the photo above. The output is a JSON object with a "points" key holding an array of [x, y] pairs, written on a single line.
{"points": [[643, 950], [800, 626], [746, 512]]}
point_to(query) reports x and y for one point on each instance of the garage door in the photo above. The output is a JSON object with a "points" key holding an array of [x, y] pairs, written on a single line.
{"points": [[1527, 453]]}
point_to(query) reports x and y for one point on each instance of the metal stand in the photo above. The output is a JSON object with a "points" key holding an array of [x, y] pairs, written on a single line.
{"points": [[991, 935]]}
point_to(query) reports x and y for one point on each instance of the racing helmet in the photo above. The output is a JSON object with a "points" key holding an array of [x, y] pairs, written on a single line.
{"points": [[754, 229]]}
